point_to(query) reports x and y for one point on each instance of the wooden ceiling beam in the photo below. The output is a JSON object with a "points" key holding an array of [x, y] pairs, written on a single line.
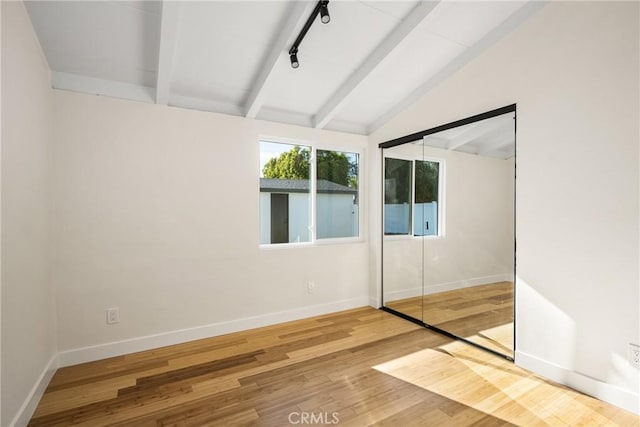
{"points": [[279, 47], [170, 22], [402, 30]]}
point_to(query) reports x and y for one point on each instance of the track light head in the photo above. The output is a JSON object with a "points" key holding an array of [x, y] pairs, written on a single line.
{"points": [[294, 60], [324, 13], [321, 8]]}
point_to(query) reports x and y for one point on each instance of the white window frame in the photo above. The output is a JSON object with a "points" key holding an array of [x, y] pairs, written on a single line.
{"points": [[314, 241]]}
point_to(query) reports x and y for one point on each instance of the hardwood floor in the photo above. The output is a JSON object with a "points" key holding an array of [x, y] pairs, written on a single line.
{"points": [[353, 368], [482, 314]]}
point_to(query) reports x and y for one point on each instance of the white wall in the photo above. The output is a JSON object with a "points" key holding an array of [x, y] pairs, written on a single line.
{"points": [[477, 244], [28, 321], [573, 71], [143, 221], [139, 190]]}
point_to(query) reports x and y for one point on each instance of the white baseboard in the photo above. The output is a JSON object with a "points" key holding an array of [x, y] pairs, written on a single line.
{"points": [[402, 294], [33, 398], [448, 286], [132, 345], [467, 283], [374, 302], [617, 396]]}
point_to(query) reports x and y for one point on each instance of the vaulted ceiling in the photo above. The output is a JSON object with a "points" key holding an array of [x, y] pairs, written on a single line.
{"points": [[372, 60], [492, 137]]}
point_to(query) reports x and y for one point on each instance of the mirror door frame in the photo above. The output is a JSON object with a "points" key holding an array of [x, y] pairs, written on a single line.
{"points": [[418, 136]]}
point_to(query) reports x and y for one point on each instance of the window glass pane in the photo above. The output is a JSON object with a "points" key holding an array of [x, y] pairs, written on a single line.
{"points": [[337, 201], [284, 193], [426, 198], [397, 196]]}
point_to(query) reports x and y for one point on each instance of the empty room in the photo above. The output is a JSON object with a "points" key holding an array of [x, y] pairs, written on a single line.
{"points": [[349, 212]]}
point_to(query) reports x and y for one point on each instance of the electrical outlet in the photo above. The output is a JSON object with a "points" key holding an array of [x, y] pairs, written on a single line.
{"points": [[113, 315], [634, 355], [310, 287]]}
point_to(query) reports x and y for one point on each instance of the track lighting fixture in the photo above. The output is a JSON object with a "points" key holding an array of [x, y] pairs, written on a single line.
{"points": [[320, 9], [324, 12], [294, 60]]}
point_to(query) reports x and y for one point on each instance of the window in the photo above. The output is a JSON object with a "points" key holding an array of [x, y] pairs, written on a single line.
{"points": [[411, 190], [301, 186], [285, 187], [337, 194]]}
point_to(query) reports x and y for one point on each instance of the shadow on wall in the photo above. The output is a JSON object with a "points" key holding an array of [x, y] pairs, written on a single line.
{"points": [[560, 329], [551, 350]]}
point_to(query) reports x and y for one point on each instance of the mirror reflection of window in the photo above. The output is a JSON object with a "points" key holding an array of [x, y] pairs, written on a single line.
{"points": [[426, 198], [397, 196]]}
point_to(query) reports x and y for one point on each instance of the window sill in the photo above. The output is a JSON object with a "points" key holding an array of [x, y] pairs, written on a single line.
{"points": [[339, 241]]}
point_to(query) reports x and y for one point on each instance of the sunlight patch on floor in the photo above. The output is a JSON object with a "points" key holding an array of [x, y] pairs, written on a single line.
{"points": [[490, 384], [502, 336]]}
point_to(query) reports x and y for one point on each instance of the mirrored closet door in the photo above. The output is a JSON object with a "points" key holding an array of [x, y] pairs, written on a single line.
{"points": [[448, 228]]}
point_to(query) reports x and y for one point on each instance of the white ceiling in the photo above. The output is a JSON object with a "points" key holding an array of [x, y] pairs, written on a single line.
{"points": [[492, 137], [370, 62]]}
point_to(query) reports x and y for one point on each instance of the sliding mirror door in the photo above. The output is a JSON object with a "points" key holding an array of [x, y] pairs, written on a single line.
{"points": [[448, 238], [403, 269]]}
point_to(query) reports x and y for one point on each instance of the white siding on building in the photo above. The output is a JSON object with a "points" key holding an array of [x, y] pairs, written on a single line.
{"points": [[299, 217], [337, 216], [265, 218]]}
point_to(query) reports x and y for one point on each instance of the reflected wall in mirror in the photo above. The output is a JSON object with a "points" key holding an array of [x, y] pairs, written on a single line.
{"points": [[448, 229]]}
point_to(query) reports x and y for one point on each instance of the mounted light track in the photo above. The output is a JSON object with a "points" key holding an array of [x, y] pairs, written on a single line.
{"points": [[294, 60], [323, 10]]}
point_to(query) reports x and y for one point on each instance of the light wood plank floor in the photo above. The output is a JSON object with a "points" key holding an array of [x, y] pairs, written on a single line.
{"points": [[476, 313], [358, 367]]}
